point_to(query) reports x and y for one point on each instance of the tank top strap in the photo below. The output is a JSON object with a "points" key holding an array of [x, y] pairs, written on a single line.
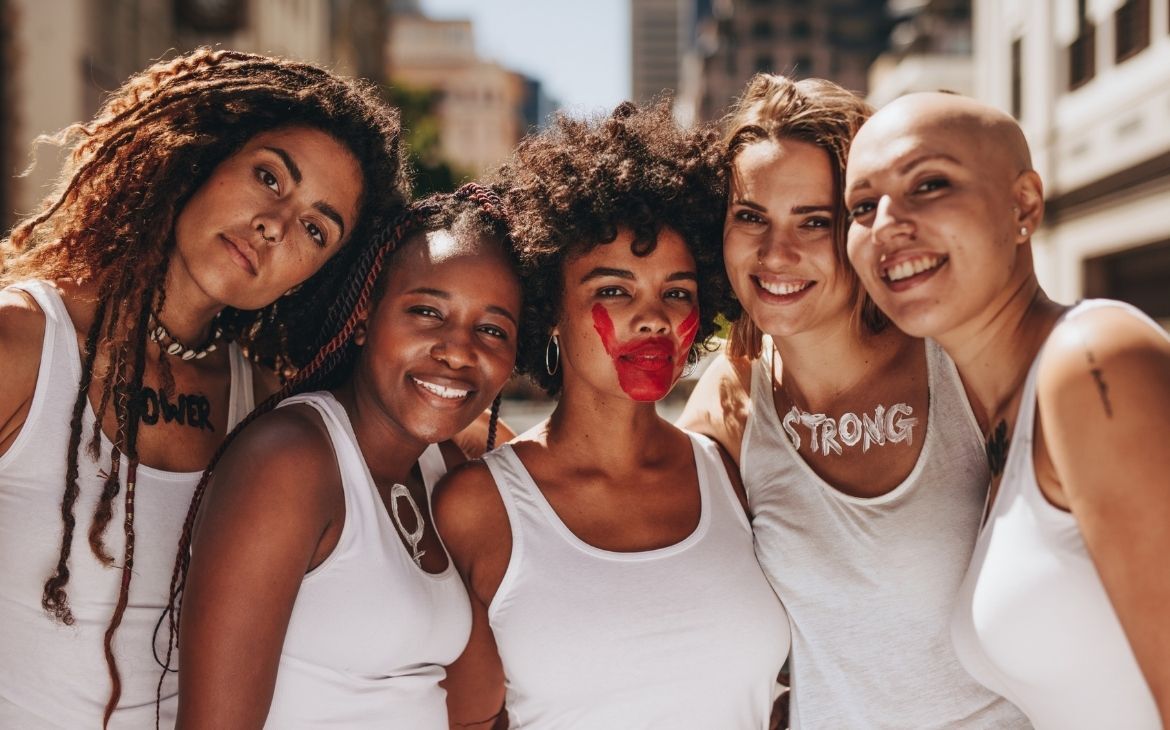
{"points": [[432, 466], [949, 406], [60, 338], [356, 484], [717, 495], [242, 399]]}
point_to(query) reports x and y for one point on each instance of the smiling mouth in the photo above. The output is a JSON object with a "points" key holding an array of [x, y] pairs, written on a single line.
{"points": [[441, 391], [784, 288], [912, 267]]}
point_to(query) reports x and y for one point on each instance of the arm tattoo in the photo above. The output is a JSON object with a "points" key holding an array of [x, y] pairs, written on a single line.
{"points": [[1099, 378]]}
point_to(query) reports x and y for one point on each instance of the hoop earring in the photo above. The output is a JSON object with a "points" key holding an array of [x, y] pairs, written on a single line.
{"points": [[552, 355]]}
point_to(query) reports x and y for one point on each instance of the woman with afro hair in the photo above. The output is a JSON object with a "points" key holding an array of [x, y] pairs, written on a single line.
{"points": [[608, 553], [211, 209]]}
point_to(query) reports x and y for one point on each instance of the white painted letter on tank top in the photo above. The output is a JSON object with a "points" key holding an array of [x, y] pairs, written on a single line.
{"points": [[875, 429], [829, 438], [791, 417], [849, 429], [813, 421], [903, 430]]}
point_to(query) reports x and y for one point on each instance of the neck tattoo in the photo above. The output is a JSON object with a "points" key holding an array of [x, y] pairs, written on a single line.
{"points": [[188, 410], [414, 537], [893, 426], [997, 449]]}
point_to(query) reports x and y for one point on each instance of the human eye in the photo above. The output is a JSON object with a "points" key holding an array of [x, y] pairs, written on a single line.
{"points": [[818, 221], [268, 179], [861, 209], [492, 330], [610, 292], [682, 294], [931, 185], [749, 216], [316, 233], [424, 311]]}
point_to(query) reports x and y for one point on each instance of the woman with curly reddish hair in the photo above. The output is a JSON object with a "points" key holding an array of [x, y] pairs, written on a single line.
{"points": [[214, 202], [607, 553]]}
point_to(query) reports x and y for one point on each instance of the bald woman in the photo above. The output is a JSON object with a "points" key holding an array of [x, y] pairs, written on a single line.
{"points": [[1065, 607]]}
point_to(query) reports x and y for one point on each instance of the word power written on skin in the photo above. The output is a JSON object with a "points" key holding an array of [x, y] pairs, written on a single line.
{"points": [[887, 426], [646, 367]]}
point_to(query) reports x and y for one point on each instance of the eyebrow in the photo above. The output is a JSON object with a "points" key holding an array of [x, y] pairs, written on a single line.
{"points": [[907, 167], [442, 294], [603, 271], [294, 170], [795, 210]]}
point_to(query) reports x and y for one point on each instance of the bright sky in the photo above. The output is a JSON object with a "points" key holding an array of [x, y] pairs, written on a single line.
{"points": [[580, 50]]}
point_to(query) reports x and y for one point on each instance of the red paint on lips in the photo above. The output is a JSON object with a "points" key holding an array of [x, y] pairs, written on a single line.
{"points": [[645, 367]]}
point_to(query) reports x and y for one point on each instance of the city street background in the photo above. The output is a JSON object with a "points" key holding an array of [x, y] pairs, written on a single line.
{"points": [[1089, 81]]}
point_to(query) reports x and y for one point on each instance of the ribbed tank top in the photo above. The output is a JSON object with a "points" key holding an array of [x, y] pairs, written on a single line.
{"points": [[869, 583], [370, 631], [1033, 621], [51, 675], [685, 636]]}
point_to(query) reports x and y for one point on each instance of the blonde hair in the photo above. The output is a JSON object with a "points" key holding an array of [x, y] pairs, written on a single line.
{"points": [[818, 112]]}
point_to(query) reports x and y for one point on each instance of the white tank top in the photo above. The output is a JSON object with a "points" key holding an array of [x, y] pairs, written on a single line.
{"points": [[1033, 621], [869, 583], [370, 630], [685, 636], [55, 676]]}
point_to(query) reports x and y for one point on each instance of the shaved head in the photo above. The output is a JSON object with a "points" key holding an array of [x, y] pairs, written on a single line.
{"points": [[993, 136]]}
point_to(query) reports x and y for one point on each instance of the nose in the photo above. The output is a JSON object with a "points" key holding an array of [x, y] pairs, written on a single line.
{"points": [[271, 226], [890, 221], [652, 319], [454, 349], [777, 251]]}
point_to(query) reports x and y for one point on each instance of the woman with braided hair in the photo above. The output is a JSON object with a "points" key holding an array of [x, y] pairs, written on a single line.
{"points": [[214, 201], [607, 553], [319, 594]]}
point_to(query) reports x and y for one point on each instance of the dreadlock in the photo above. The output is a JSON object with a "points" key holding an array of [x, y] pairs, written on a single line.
{"points": [[473, 210], [110, 224]]}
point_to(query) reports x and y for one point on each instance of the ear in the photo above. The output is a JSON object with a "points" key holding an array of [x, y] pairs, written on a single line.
{"points": [[360, 330], [1028, 200]]}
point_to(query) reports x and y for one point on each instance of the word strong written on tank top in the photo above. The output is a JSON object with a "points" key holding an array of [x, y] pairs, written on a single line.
{"points": [[893, 425]]}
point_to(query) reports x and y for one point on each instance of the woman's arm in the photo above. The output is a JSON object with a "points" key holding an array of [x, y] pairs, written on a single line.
{"points": [[718, 406], [274, 505], [22, 331], [471, 518], [1104, 401]]}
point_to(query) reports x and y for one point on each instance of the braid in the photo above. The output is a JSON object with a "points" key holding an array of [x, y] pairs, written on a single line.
{"points": [[492, 422], [110, 224], [349, 309]]}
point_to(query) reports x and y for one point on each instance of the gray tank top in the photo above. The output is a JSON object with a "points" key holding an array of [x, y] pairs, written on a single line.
{"points": [[869, 583]]}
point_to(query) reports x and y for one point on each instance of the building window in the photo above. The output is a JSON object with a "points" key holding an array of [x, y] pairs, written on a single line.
{"points": [[1082, 54], [803, 66], [1131, 28], [764, 64], [801, 30], [1137, 275], [1017, 81], [762, 30]]}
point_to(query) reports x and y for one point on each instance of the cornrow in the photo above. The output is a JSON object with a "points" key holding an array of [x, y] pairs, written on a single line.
{"points": [[334, 359], [110, 223]]}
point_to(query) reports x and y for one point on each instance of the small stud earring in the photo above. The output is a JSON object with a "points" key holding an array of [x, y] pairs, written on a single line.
{"points": [[1023, 230]]}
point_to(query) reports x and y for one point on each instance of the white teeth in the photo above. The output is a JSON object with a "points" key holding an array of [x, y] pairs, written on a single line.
{"points": [[917, 265], [442, 392], [784, 288]]}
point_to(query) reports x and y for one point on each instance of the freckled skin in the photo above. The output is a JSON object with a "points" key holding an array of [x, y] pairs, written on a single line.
{"points": [[650, 376]]}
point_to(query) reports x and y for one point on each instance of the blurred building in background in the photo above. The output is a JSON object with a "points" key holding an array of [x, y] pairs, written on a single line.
{"points": [[929, 50], [1089, 81], [481, 105], [659, 35], [734, 39]]}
